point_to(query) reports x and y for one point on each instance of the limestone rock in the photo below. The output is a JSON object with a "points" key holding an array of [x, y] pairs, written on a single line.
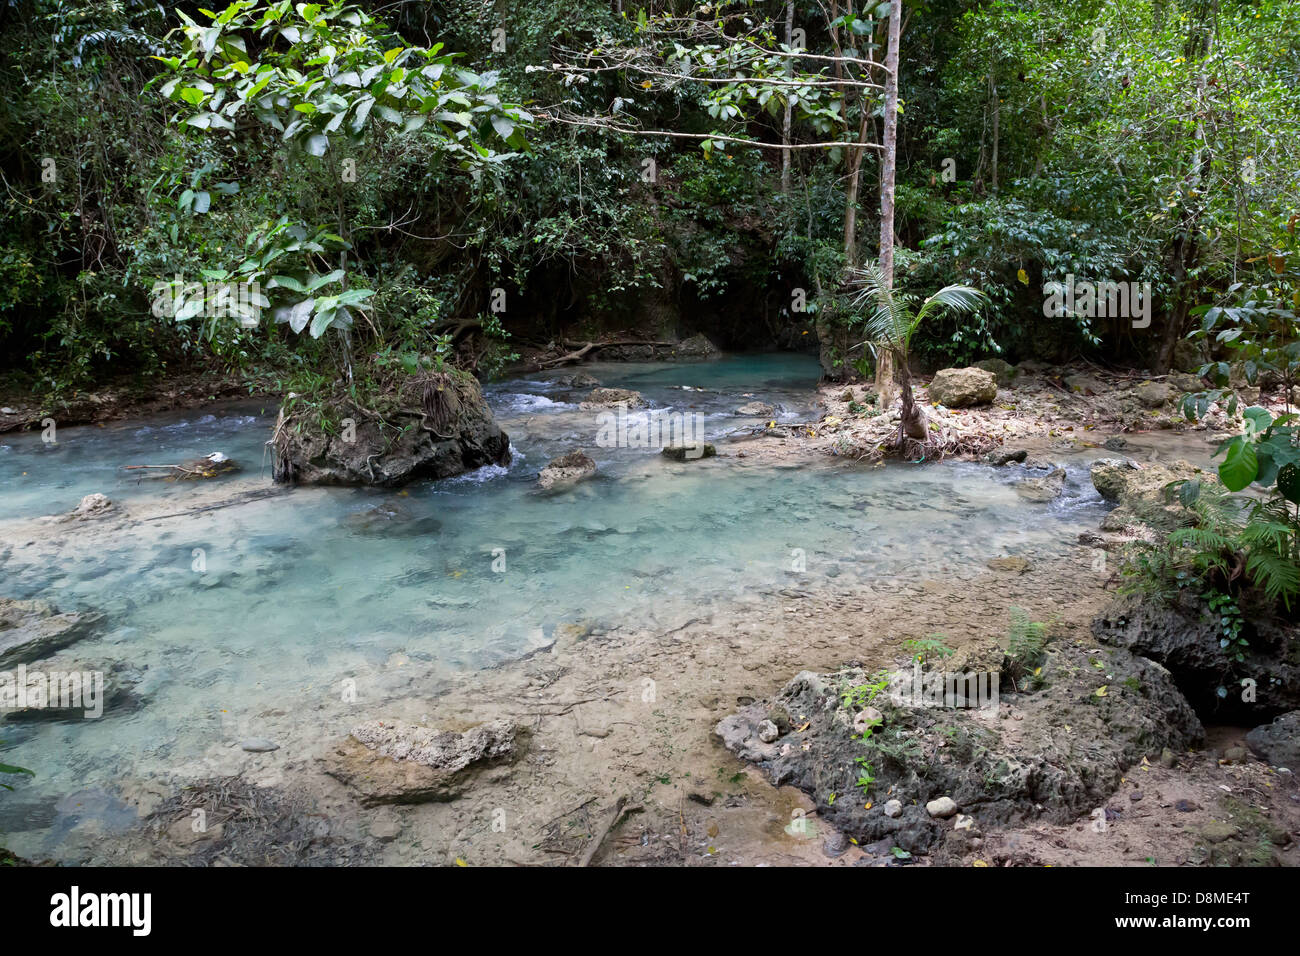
{"points": [[30, 630], [396, 762], [756, 408], [1278, 743], [566, 470], [942, 808], [611, 397], [1141, 488], [963, 387], [697, 346], [1046, 488], [412, 447], [1002, 370], [689, 452], [1152, 394]]}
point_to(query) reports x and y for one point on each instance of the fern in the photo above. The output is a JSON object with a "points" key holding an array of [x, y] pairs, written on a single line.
{"points": [[1276, 574], [1027, 638]]}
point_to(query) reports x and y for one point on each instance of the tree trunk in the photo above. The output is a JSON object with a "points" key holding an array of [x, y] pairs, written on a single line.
{"points": [[886, 385], [997, 112], [785, 127]]}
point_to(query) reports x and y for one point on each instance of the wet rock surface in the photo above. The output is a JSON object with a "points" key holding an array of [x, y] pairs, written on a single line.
{"points": [[566, 470], [30, 630], [612, 397], [1140, 488]]}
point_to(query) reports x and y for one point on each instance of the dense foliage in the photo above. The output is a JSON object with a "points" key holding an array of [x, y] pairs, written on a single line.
{"points": [[413, 182]]}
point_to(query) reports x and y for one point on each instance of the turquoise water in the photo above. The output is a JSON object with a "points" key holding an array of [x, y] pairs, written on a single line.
{"points": [[305, 591]]}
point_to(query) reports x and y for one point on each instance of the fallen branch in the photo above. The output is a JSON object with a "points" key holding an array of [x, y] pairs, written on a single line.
{"points": [[599, 837]]}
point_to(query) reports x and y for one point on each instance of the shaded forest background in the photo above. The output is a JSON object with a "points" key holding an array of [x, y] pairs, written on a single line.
{"points": [[1154, 141]]}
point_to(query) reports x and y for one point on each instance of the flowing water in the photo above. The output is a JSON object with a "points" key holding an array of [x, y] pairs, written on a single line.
{"points": [[239, 620]]}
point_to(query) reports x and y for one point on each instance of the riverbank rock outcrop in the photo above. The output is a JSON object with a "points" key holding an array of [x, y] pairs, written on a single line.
{"points": [[436, 428], [1053, 746]]}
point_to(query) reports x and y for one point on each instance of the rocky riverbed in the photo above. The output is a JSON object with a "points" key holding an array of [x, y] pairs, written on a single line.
{"points": [[601, 744]]}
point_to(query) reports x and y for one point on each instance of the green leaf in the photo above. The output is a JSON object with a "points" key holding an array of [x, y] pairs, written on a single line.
{"points": [[504, 126], [1240, 466], [317, 143], [321, 322]]}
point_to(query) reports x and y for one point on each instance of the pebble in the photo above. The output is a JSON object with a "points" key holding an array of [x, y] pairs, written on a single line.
{"points": [[258, 745], [894, 808], [943, 807], [767, 732]]}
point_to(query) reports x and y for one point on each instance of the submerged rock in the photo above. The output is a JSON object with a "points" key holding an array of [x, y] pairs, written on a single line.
{"points": [[1046, 488], [689, 452], [962, 387], [443, 428], [757, 408], [30, 630], [566, 470], [258, 745], [396, 762]]}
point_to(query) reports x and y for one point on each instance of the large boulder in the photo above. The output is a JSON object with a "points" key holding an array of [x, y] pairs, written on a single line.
{"points": [[697, 346], [963, 387], [1002, 370], [1186, 636], [566, 470], [30, 630], [1141, 489], [438, 427], [391, 761], [1278, 743]]}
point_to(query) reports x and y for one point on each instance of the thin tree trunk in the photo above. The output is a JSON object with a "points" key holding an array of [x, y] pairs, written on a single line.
{"points": [[785, 127], [886, 386], [997, 112]]}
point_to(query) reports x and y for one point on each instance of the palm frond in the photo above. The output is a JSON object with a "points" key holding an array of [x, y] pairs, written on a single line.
{"points": [[958, 298]]}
